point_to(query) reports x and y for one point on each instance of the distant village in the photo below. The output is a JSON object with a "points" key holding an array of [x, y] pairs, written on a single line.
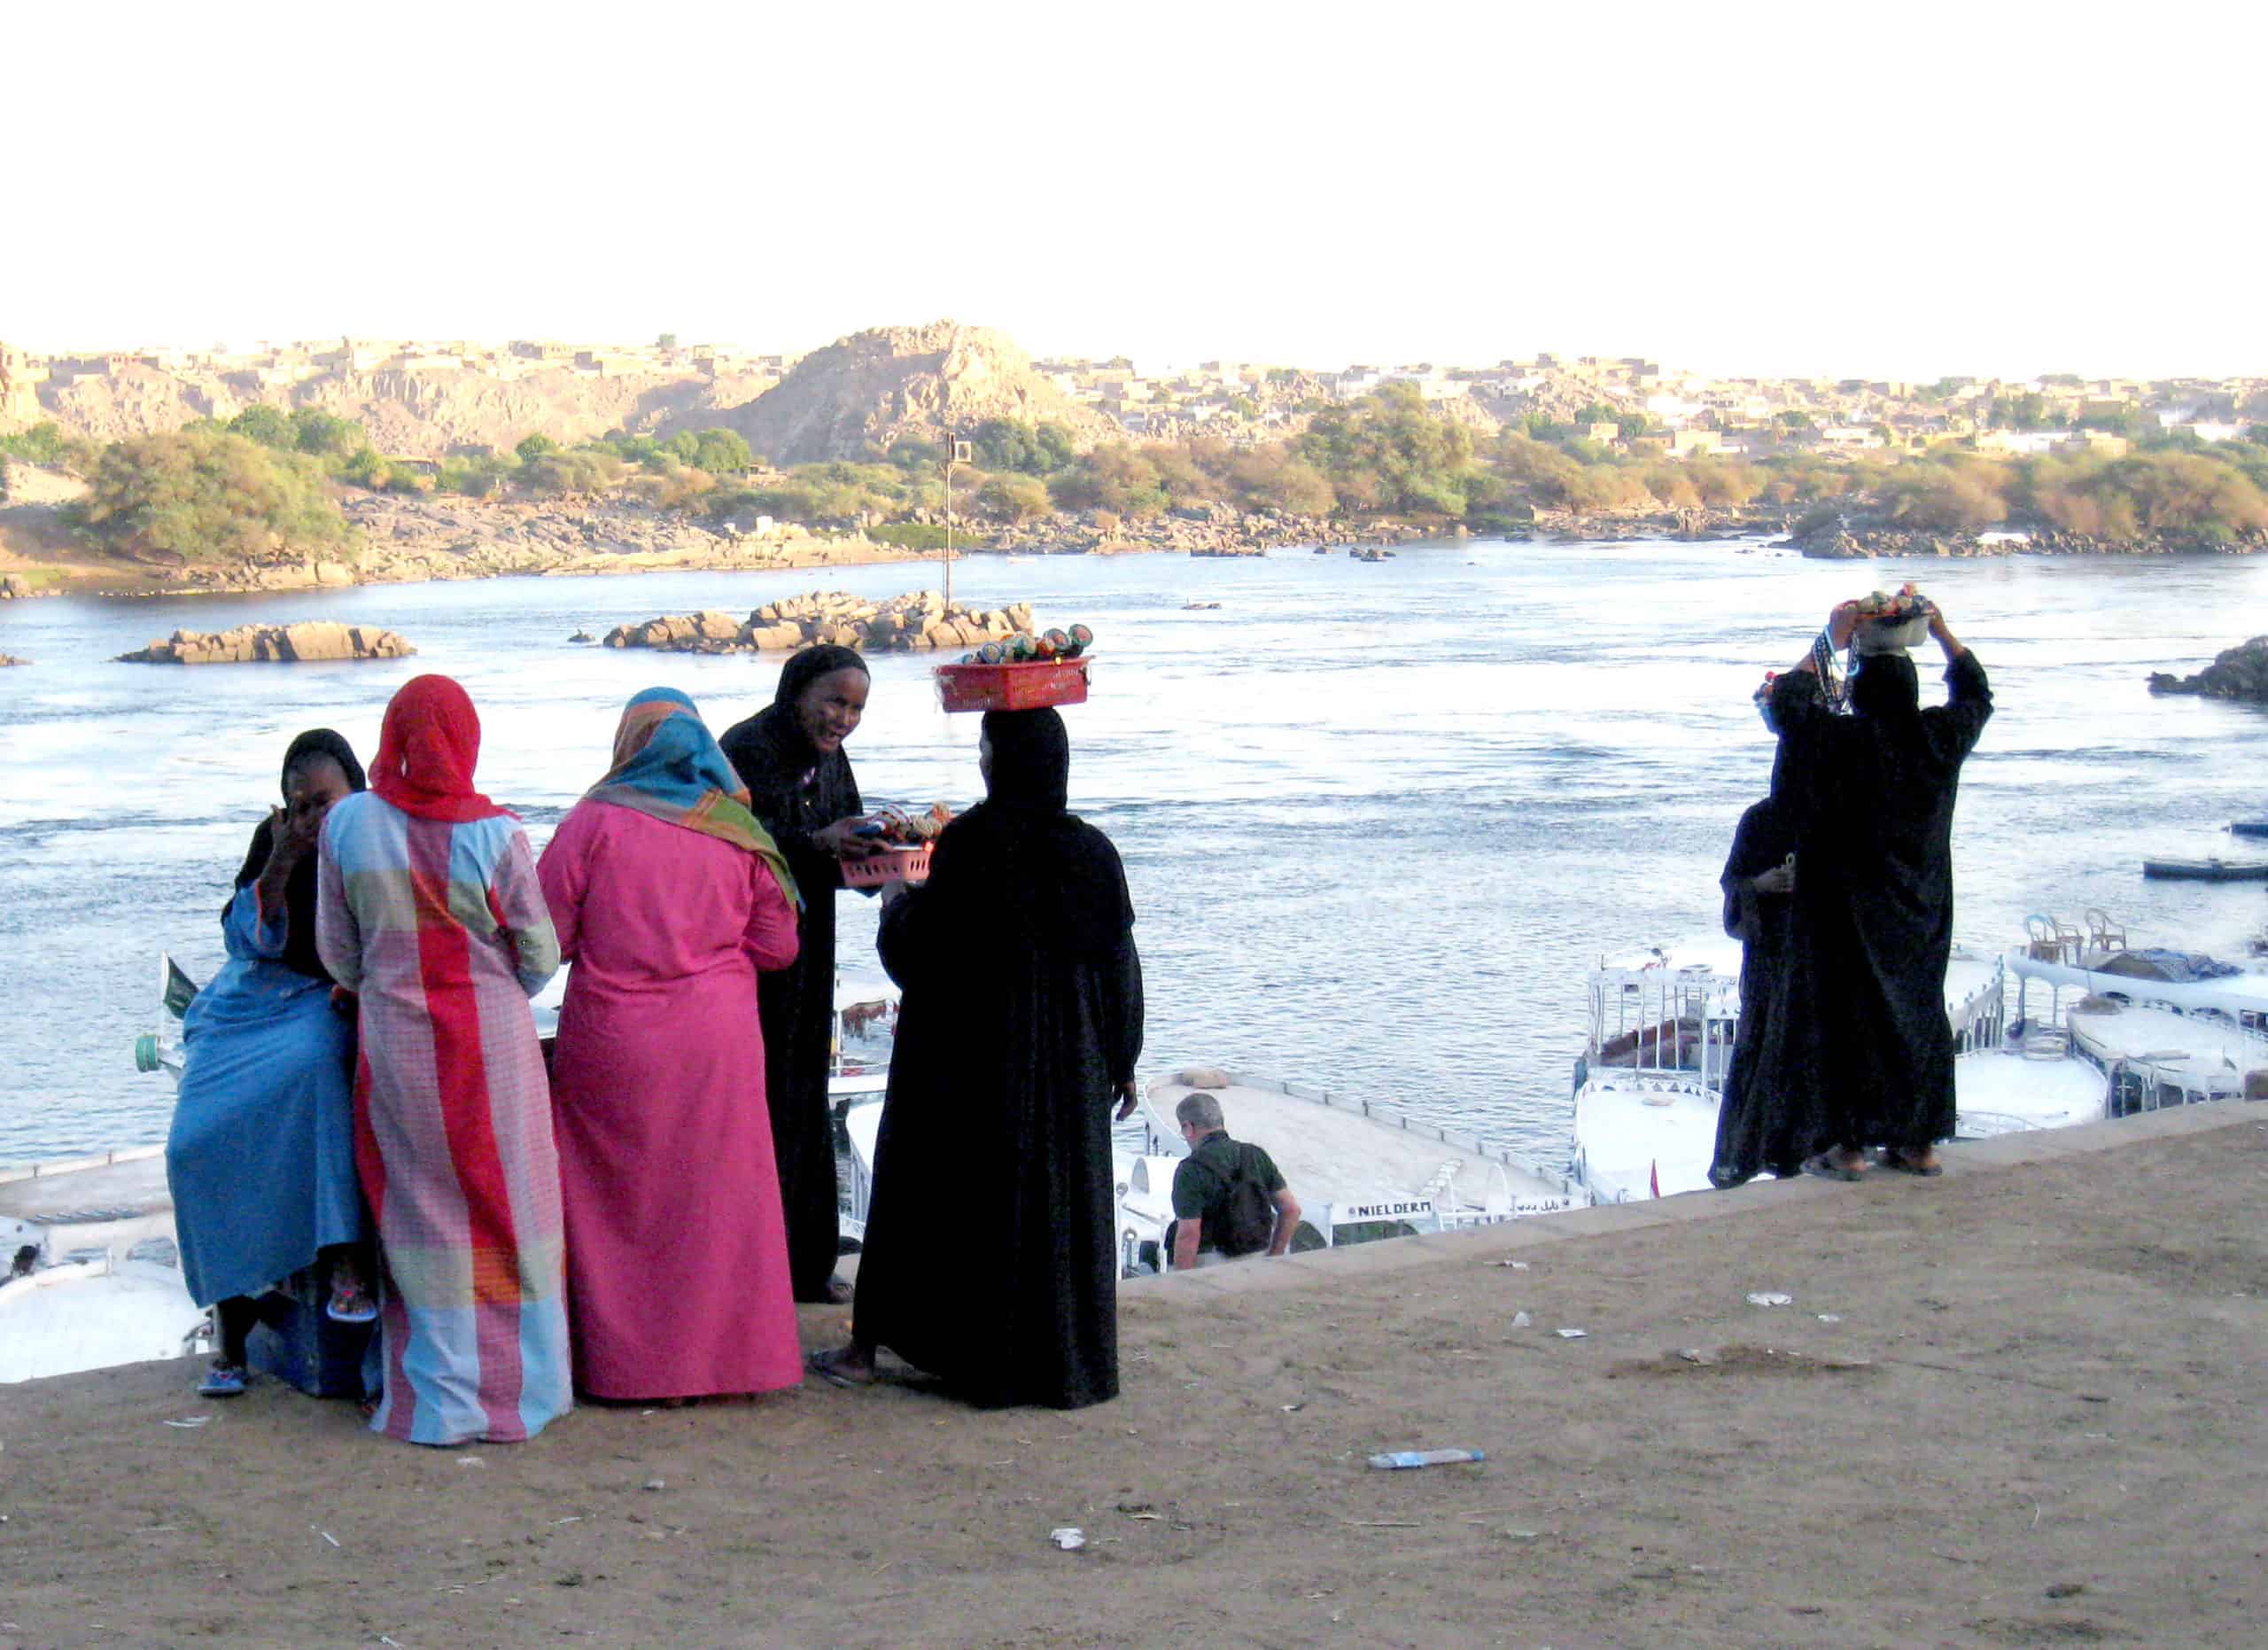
{"points": [[1617, 402]]}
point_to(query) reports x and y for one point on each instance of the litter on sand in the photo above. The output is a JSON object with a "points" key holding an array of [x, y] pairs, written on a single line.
{"points": [[1069, 1537], [1516, 1265], [194, 1421], [1830, 1317], [1770, 1297], [1573, 1334], [1520, 1321]]}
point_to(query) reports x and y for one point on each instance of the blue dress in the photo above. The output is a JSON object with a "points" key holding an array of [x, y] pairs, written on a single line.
{"points": [[260, 1157]]}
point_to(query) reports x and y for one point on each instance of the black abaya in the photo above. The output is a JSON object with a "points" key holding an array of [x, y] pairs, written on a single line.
{"points": [[990, 1260], [1755, 1128], [1872, 914], [794, 793]]}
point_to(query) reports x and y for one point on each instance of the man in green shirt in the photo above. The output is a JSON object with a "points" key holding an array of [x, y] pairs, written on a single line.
{"points": [[1229, 1198]]}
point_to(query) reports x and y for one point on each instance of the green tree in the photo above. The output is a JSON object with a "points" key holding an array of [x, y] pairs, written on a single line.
{"points": [[668, 340], [206, 495], [1013, 498], [533, 447], [270, 426], [720, 452], [326, 435]]}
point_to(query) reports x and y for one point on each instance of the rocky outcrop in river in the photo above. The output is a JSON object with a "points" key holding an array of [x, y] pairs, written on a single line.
{"points": [[919, 619], [1841, 539], [280, 644], [2240, 673]]}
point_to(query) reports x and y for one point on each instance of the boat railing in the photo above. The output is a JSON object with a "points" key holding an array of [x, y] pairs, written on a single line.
{"points": [[1664, 1019], [1388, 1115], [75, 1165]]}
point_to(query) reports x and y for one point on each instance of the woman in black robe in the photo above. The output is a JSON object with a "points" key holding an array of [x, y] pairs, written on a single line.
{"points": [[990, 1260], [1873, 915], [1755, 1131], [789, 755]]}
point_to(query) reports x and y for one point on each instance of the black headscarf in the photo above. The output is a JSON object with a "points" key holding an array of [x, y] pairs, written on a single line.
{"points": [[1044, 871], [1886, 687], [806, 667], [299, 892]]}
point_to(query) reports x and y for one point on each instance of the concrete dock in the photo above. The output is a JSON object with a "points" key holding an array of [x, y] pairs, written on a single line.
{"points": [[2019, 1405]]}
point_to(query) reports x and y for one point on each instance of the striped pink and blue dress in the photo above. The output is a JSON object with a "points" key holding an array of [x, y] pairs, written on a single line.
{"points": [[441, 928]]}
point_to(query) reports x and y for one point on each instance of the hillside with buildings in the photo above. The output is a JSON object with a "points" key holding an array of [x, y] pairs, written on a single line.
{"points": [[860, 395]]}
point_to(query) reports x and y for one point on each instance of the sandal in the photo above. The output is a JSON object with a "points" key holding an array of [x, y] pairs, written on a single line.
{"points": [[841, 1367], [350, 1301], [1897, 1158], [223, 1381], [1826, 1168]]}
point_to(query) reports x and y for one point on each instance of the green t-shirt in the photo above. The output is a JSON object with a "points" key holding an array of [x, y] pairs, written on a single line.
{"points": [[1230, 1187]]}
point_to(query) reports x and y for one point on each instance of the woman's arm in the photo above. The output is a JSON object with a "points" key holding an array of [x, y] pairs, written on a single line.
{"points": [[770, 938], [1123, 1013], [565, 875], [516, 901], [339, 937]]}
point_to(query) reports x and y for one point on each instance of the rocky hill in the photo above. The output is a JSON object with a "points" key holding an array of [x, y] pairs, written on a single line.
{"points": [[864, 391], [409, 413]]}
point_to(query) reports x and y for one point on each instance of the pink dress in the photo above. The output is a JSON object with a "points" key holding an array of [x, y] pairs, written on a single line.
{"points": [[677, 1257]]}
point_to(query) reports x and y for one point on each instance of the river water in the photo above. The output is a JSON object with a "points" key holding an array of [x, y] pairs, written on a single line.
{"points": [[1379, 818]]}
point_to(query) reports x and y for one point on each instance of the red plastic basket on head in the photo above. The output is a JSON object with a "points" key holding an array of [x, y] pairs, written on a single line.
{"points": [[895, 865], [1027, 687]]}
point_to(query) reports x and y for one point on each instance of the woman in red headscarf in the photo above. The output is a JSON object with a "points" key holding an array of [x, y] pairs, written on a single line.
{"points": [[429, 907]]}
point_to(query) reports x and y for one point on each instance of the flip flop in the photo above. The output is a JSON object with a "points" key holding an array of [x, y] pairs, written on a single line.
{"points": [[1897, 1161], [223, 1381], [1825, 1169], [829, 1366]]}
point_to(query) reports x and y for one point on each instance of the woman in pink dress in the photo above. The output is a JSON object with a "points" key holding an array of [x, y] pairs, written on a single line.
{"points": [[668, 896]]}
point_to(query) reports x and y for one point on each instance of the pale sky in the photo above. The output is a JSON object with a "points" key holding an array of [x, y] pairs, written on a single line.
{"points": [[1825, 188]]}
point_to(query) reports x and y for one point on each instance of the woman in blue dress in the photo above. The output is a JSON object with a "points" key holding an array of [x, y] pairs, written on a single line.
{"points": [[260, 1157]]}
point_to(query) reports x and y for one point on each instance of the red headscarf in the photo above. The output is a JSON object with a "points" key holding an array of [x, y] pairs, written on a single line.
{"points": [[427, 747]]}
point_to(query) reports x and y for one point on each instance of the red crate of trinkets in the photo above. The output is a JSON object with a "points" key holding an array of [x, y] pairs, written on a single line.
{"points": [[1021, 687]]}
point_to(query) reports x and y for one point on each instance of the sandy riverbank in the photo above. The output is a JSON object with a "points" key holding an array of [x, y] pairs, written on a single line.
{"points": [[2039, 1420]]}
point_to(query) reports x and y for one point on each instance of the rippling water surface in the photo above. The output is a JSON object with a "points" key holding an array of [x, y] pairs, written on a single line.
{"points": [[1379, 818]]}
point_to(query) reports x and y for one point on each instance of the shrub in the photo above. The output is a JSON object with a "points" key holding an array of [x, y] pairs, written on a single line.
{"points": [[204, 494]]}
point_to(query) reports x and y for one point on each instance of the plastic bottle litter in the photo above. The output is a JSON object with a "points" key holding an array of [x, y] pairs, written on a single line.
{"points": [[1393, 1460], [1770, 1297], [1069, 1537]]}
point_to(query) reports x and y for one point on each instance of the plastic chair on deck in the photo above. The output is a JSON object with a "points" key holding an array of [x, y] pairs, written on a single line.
{"points": [[2045, 946], [2103, 933]]}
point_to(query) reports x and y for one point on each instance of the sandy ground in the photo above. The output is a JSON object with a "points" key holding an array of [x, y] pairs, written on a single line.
{"points": [[2038, 1420]]}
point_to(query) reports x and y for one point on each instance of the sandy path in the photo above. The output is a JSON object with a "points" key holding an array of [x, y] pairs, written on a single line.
{"points": [[2038, 1422]]}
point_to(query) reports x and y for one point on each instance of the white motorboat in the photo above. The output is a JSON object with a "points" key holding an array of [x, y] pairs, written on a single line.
{"points": [[1662, 1028], [105, 1284], [1361, 1169]]}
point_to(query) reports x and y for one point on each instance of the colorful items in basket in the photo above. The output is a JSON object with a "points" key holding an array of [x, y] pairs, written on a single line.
{"points": [[1891, 623], [907, 839], [1025, 649]]}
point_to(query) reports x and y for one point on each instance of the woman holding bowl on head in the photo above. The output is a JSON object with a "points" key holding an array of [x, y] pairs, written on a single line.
{"points": [[790, 756], [1020, 1028]]}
